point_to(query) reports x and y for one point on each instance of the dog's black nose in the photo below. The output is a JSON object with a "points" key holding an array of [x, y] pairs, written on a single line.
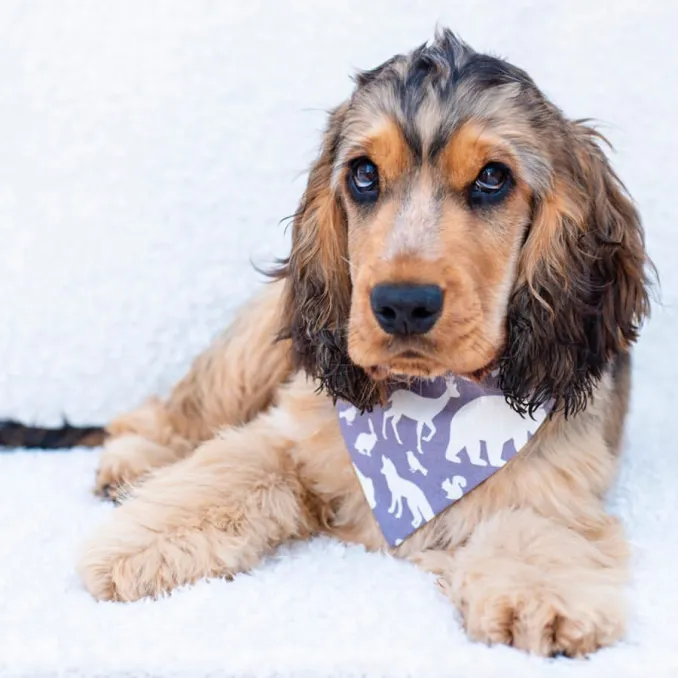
{"points": [[405, 308]]}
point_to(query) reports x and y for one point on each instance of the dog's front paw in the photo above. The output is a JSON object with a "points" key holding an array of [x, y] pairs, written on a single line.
{"points": [[541, 620], [543, 588], [124, 462], [125, 566], [137, 556]]}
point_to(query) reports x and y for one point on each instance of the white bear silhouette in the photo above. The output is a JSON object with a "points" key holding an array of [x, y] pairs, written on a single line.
{"points": [[405, 489], [454, 488], [409, 404], [349, 414], [489, 418], [365, 442], [367, 485], [415, 464]]}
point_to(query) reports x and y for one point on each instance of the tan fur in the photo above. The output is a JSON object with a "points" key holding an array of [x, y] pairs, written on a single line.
{"points": [[530, 557], [386, 146], [531, 582], [469, 150], [410, 242], [229, 383]]}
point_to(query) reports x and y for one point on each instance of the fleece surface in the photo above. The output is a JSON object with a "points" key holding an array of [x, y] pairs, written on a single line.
{"points": [[149, 151], [312, 610]]}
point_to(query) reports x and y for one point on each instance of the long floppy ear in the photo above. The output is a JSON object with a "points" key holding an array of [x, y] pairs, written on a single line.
{"points": [[317, 296], [583, 288]]}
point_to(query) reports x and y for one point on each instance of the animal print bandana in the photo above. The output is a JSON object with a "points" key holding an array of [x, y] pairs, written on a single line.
{"points": [[431, 444]]}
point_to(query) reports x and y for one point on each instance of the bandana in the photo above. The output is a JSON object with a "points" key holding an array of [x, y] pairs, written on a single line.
{"points": [[433, 442]]}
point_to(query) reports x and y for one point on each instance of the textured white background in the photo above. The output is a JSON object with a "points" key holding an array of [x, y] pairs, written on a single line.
{"points": [[148, 151]]}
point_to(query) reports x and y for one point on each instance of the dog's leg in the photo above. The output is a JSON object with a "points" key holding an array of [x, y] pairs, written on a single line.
{"points": [[138, 442], [215, 513], [228, 384], [525, 580]]}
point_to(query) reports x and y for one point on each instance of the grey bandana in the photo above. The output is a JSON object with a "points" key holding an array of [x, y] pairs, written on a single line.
{"points": [[431, 444]]}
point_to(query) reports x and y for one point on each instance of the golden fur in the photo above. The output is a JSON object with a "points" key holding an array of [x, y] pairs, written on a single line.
{"points": [[246, 453]]}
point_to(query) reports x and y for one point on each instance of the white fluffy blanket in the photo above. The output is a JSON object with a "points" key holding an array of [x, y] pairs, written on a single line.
{"points": [[149, 150], [318, 610]]}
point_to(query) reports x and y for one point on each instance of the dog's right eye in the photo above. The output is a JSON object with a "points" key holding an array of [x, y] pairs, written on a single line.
{"points": [[363, 180]]}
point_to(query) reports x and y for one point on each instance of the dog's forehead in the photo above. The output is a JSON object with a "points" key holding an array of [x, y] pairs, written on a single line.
{"points": [[433, 91], [447, 75]]}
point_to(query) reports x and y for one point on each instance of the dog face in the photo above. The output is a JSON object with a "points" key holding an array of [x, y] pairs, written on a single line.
{"points": [[436, 207], [455, 221]]}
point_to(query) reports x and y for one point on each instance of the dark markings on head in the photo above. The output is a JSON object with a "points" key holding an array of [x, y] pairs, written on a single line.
{"points": [[435, 72]]}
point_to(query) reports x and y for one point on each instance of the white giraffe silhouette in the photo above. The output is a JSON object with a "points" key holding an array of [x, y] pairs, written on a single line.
{"points": [[349, 414], [409, 404], [402, 489], [368, 487], [365, 442], [491, 419], [415, 464], [454, 488]]}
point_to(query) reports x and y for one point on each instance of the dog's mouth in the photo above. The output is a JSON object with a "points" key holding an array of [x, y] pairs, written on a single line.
{"points": [[427, 356], [409, 362], [412, 363]]}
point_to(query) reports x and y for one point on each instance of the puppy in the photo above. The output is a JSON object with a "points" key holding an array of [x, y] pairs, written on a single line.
{"points": [[454, 223]]}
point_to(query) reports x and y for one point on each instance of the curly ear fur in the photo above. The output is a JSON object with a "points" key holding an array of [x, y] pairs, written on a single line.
{"points": [[583, 290], [317, 293]]}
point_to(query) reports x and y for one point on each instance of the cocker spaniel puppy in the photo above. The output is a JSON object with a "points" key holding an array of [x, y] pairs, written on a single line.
{"points": [[454, 223]]}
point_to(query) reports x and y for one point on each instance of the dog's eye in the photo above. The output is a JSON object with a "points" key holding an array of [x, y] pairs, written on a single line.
{"points": [[363, 180], [491, 185]]}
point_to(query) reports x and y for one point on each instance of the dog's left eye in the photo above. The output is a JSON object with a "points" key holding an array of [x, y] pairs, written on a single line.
{"points": [[491, 185], [363, 180]]}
